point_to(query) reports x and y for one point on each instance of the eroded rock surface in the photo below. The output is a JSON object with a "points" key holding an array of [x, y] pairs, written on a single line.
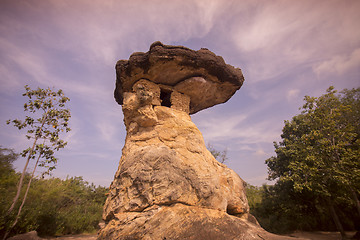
{"points": [[182, 222], [165, 161], [168, 185], [182, 69]]}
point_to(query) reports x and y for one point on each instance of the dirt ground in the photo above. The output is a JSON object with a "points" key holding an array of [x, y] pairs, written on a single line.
{"points": [[306, 235], [76, 237], [320, 235]]}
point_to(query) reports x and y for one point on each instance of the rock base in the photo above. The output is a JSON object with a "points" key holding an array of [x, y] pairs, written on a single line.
{"points": [[180, 221]]}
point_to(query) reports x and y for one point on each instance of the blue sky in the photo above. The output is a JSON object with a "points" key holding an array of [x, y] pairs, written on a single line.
{"points": [[286, 50]]}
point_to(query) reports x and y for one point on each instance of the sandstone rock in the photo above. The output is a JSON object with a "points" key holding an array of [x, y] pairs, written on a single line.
{"points": [[182, 69], [183, 222], [169, 163], [168, 185]]}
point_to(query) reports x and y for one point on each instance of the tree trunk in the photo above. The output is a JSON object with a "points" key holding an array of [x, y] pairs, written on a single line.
{"points": [[26, 164], [20, 184], [356, 200], [357, 203], [336, 220], [24, 199]]}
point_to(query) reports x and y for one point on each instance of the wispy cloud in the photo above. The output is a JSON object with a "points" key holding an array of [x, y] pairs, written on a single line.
{"points": [[24, 60], [259, 180], [339, 64], [106, 31], [227, 128], [220, 127], [293, 93], [282, 35], [286, 50]]}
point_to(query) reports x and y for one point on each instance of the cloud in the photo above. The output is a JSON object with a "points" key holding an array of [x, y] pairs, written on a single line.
{"points": [[236, 127], [339, 64], [9, 80], [261, 153], [220, 127], [292, 94], [74, 45], [18, 59], [104, 32], [281, 35], [108, 127], [259, 180]]}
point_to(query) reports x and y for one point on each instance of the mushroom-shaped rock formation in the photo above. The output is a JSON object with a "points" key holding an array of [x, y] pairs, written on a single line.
{"points": [[201, 75], [168, 185]]}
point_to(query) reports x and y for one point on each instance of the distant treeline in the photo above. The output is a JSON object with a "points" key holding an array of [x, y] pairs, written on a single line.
{"points": [[73, 206], [54, 206]]}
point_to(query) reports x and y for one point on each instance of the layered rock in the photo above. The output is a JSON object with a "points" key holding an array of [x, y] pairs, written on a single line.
{"points": [[187, 71], [168, 185]]}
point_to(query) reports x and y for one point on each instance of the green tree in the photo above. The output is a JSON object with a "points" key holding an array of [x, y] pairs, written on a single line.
{"points": [[253, 195], [7, 157], [48, 118], [8, 180], [54, 206], [283, 210], [320, 149]]}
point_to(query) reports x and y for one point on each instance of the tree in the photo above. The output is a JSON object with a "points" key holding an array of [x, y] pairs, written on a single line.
{"points": [[320, 149], [7, 157], [221, 156], [8, 180], [48, 119], [53, 206]]}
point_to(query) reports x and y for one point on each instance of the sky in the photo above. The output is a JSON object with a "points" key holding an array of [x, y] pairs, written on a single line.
{"points": [[286, 49]]}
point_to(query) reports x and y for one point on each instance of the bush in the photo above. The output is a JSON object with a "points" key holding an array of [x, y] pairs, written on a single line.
{"points": [[54, 206], [279, 209]]}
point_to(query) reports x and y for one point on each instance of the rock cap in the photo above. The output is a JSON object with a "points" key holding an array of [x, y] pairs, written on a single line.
{"points": [[201, 75]]}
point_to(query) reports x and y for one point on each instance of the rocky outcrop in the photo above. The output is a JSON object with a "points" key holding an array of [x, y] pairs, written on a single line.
{"points": [[164, 162], [179, 221], [182, 69], [168, 185]]}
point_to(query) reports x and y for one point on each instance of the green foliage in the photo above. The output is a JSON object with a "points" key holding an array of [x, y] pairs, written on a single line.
{"points": [[54, 206], [254, 196], [68, 206], [317, 163], [48, 118], [321, 146], [283, 210], [280, 209], [8, 180], [7, 157]]}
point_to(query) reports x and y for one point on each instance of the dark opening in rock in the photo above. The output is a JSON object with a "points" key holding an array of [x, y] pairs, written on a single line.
{"points": [[165, 98], [230, 210]]}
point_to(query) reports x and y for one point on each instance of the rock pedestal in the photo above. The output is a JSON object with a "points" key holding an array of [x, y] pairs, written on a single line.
{"points": [[168, 185]]}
